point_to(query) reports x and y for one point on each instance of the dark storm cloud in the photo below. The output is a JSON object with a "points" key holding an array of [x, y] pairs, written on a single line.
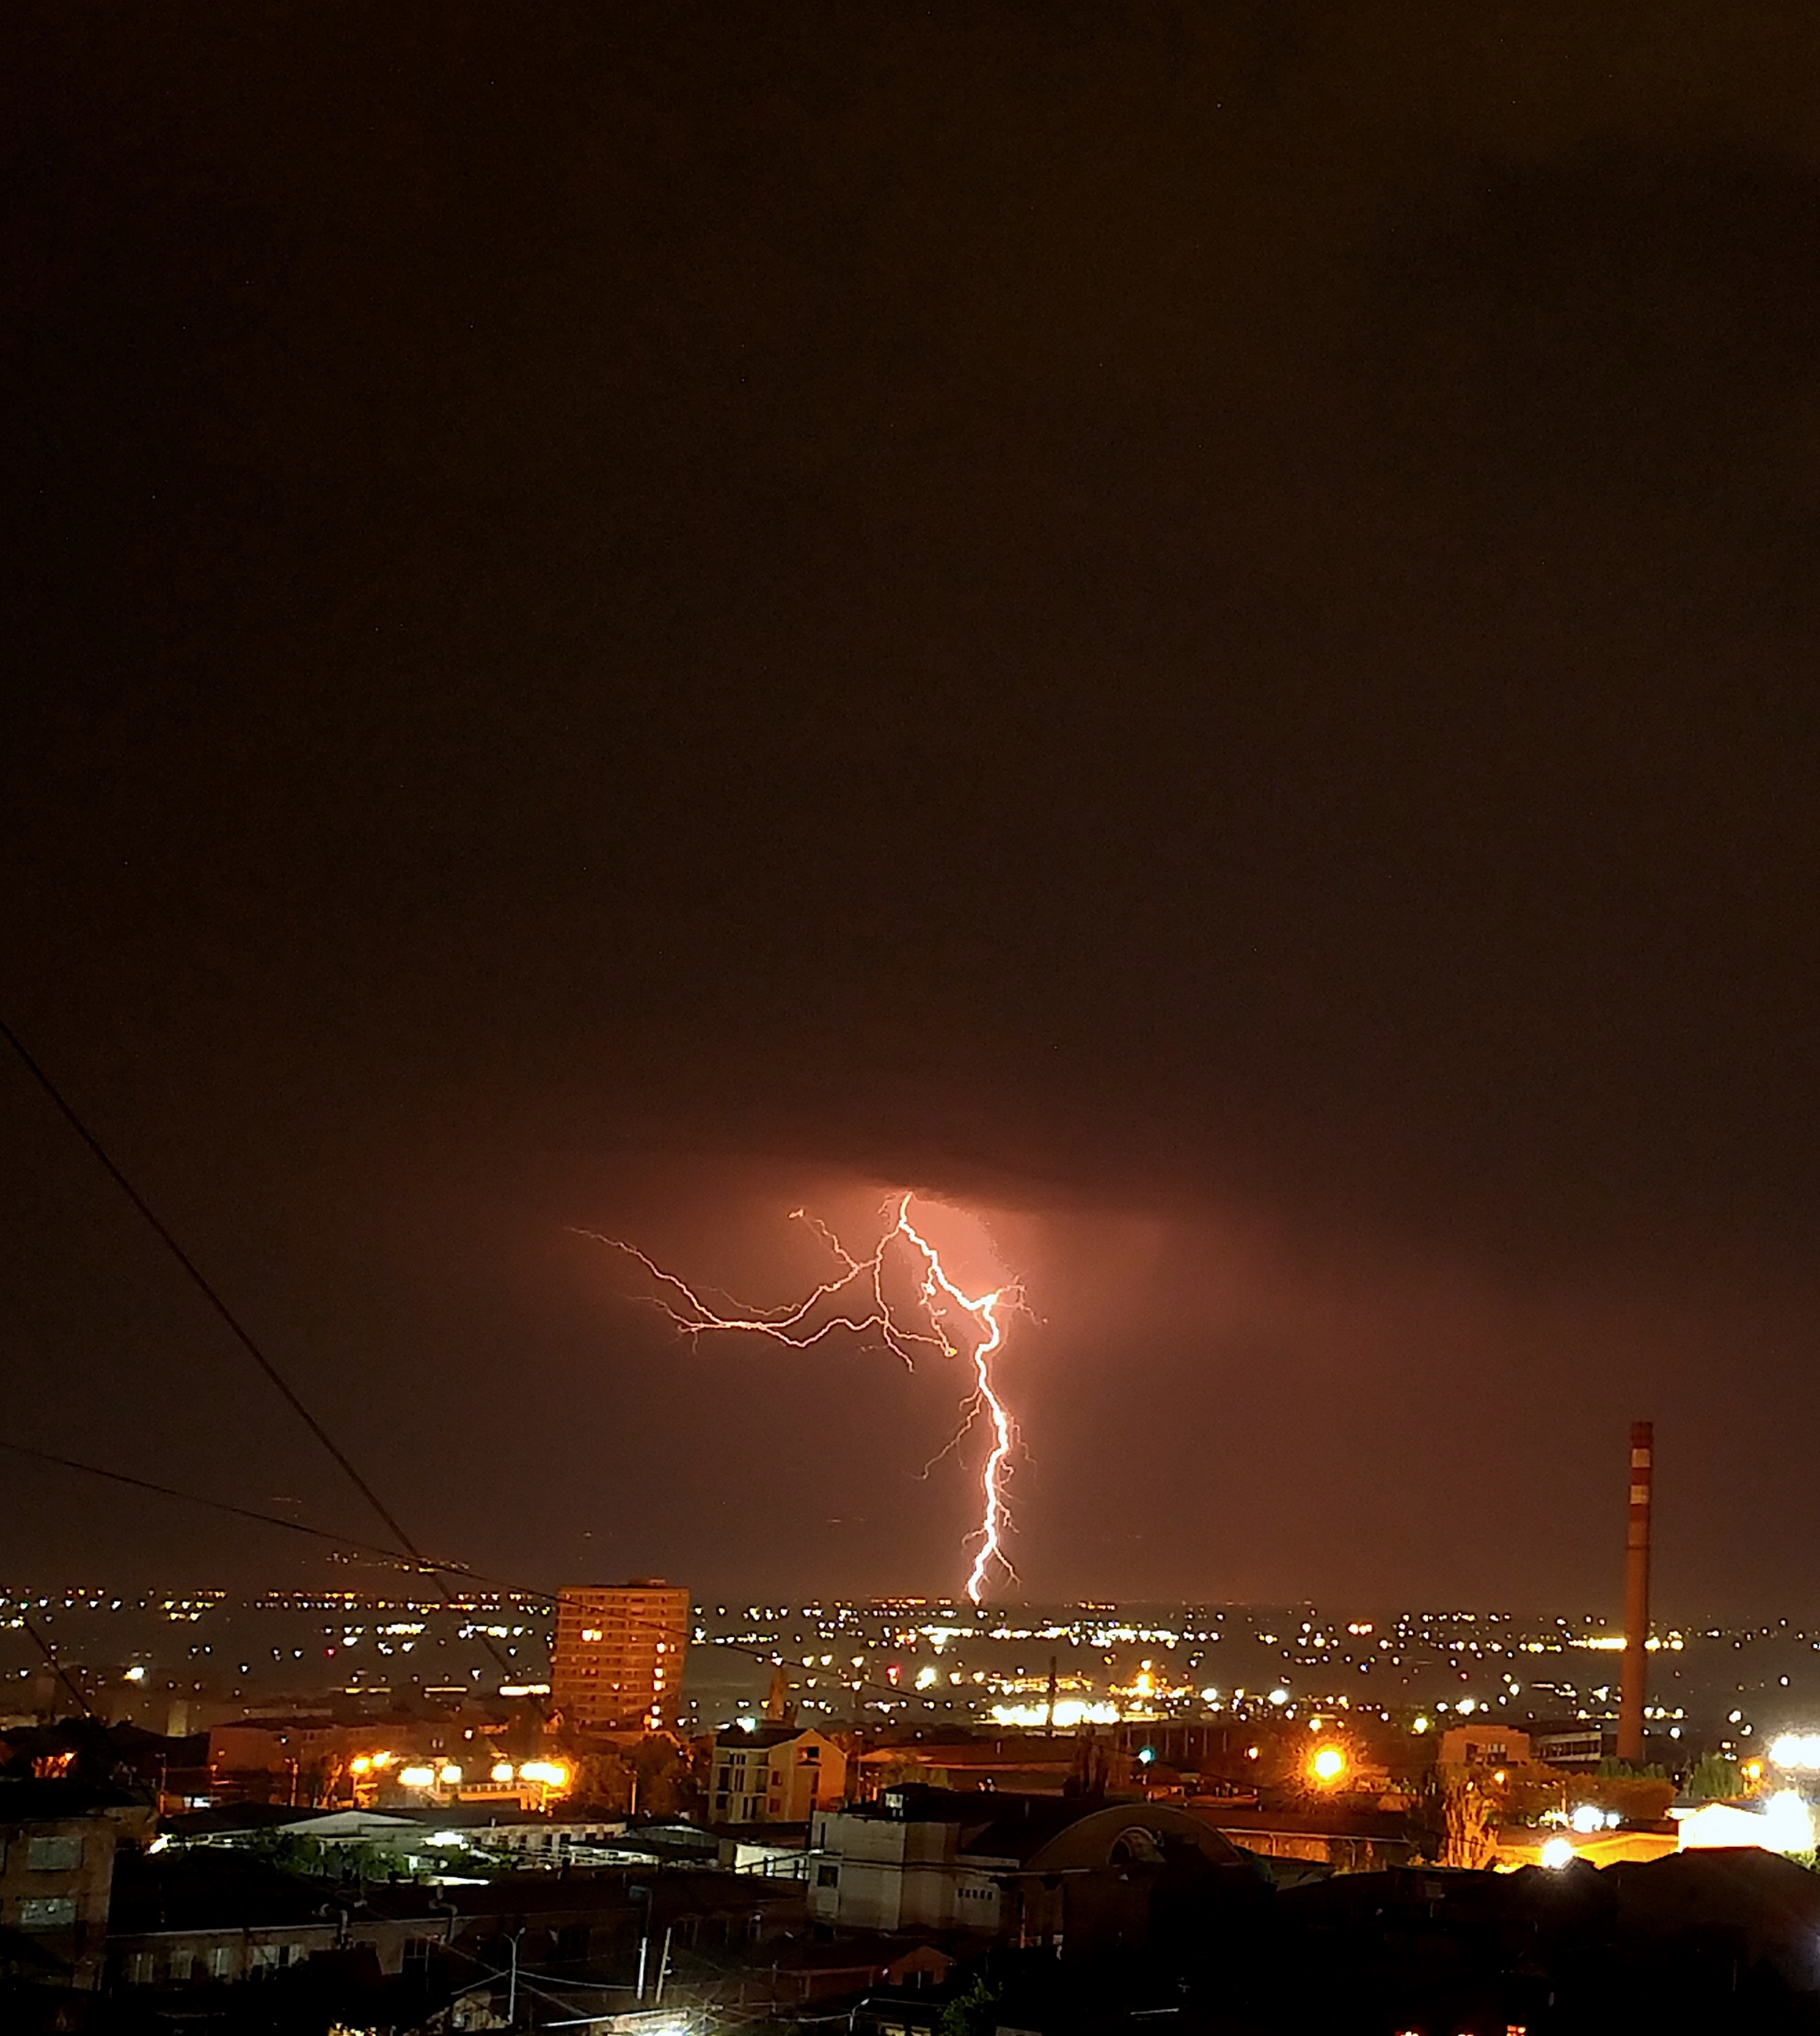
{"points": [[1184, 609]]}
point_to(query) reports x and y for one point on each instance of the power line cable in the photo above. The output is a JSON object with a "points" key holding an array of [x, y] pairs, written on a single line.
{"points": [[241, 1333], [57, 1667], [252, 1513]]}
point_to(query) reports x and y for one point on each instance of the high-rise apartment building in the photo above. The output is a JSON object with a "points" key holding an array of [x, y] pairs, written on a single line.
{"points": [[617, 1665]]}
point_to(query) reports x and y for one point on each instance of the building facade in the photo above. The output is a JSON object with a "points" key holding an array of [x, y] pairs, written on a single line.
{"points": [[1483, 1746], [55, 1876], [1571, 1743], [777, 1774], [1030, 1869], [617, 1665]]}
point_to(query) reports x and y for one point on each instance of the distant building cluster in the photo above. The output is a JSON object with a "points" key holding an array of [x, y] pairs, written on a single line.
{"points": [[1051, 1818]]}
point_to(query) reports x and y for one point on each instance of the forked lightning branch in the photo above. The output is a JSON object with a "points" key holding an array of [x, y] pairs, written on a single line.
{"points": [[946, 1321]]}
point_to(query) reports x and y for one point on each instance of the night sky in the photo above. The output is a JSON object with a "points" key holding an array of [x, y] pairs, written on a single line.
{"points": [[1190, 628]]}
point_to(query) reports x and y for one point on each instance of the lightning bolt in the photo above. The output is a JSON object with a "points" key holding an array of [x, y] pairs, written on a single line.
{"points": [[857, 1302]]}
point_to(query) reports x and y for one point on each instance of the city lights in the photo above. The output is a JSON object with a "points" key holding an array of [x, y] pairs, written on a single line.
{"points": [[415, 1777], [1069, 1711], [1558, 1852], [1327, 1765], [1791, 1823], [1797, 1751]]}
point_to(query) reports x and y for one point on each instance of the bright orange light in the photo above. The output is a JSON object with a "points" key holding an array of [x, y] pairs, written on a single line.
{"points": [[503, 1772], [417, 1777], [941, 1300], [359, 1764], [1327, 1765], [552, 1773], [448, 1775]]}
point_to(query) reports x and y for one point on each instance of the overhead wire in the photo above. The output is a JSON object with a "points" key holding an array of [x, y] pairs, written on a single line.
{"points": [[57, 1668], [239, 1330], [266, 1519], [407, 1545]]}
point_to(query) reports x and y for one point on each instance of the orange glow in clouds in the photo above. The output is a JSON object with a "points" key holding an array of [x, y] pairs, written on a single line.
{"points": [[942, 1305]]}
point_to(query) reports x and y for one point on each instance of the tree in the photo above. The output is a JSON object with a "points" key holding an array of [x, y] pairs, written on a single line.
{"points": [[1715, 1778], [974, 2013], [1456, 1816], [655, 1774]]}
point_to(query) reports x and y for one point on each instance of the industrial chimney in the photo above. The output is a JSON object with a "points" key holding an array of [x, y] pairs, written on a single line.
{"points": [[1631, 1695]]}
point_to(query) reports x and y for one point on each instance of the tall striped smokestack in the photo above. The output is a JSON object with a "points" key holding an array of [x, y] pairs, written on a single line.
{"points": [[1631, 1695]]}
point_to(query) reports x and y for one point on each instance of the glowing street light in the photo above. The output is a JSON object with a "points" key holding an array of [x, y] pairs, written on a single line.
{"points": [[1327, 1765]]}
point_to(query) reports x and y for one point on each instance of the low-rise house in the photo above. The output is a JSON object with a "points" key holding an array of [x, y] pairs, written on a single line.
{"points": [[1346, 1834], [1029, 1763], [419, 1839], [1023, 1868], [206, 1916], [1472, 1747], [210, 1914], [776, 1774], [1571, 1743]]}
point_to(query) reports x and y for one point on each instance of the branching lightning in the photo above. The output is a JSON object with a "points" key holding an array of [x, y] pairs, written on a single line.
{"points": [[856, 1301]]}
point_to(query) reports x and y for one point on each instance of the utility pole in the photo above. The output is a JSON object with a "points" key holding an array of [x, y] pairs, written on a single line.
{"points": [[512, 1982], [664, 1966]]}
